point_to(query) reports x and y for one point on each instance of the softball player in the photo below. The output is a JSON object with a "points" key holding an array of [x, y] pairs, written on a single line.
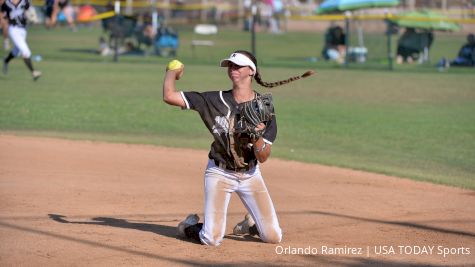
{"points": [[218, 111], [14, 12]]}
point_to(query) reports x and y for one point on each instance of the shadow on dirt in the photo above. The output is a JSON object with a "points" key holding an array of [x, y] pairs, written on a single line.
{"points": [[164, 230]]}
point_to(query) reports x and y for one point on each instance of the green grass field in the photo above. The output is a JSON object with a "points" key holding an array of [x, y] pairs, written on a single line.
{"points": [[413, 122]]}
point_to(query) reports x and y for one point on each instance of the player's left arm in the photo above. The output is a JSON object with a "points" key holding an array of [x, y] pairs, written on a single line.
{"points": [[262, 149], [262, 146]]}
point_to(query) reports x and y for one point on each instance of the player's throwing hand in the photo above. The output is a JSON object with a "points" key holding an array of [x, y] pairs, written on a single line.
{"points": [[177, 67]]}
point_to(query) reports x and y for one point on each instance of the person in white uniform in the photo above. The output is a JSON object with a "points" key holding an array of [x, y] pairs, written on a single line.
{"points": [[14, 12], [220, 110]]}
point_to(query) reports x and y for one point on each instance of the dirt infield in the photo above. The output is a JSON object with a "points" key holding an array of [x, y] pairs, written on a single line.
{"points": [[80, 203]]}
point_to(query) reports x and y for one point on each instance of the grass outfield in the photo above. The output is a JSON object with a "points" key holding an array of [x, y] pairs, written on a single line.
{"points": [[414, 122]]}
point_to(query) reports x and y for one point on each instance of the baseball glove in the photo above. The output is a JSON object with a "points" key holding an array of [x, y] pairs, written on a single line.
{"points": [[260, 109]]}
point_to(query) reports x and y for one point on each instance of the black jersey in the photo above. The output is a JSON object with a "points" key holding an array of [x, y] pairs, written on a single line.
{"points": [[16, 13], [219, 110]]}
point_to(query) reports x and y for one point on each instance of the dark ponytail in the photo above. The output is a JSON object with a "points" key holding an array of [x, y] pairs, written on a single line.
{"points": [[257, 75]]}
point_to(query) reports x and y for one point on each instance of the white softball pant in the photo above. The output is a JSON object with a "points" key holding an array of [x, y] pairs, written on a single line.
{"points": [[250, 187], [18, 37]]}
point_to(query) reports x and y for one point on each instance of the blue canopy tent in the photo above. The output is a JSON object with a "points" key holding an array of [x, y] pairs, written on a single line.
{"points": [[335, 6]]}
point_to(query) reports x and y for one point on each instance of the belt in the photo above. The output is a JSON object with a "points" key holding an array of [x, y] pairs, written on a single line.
{"points": [[226, 167]]}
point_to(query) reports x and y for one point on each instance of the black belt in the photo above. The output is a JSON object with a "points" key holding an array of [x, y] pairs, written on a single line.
{"points": [[226, 167]]}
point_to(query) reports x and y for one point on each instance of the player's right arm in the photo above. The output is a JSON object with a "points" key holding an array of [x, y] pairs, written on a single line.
{"points": [[170, 95]]}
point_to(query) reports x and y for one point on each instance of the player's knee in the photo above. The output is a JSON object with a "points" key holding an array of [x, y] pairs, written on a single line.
{"points": [[272, 236], [214, 240], [26, 54], [215, 243]]}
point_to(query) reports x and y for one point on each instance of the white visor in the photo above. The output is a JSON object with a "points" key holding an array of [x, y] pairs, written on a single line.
{"points": [[240, 60]]}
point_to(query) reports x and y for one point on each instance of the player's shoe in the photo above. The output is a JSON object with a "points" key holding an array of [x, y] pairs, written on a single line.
{"points": [[190, 220], [5, 68], [36, 75], [242, 228]]}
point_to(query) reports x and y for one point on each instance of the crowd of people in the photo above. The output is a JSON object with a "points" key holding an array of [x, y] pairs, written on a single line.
{"points": [[138, 36], [413, 45]]}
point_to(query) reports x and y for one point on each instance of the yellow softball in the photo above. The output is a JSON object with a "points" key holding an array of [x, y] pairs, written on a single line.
{"points": [[174, 65]]}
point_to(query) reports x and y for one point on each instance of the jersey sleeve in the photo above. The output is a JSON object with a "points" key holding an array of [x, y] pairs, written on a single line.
{"points": [[270, 133], [194, 100]]}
